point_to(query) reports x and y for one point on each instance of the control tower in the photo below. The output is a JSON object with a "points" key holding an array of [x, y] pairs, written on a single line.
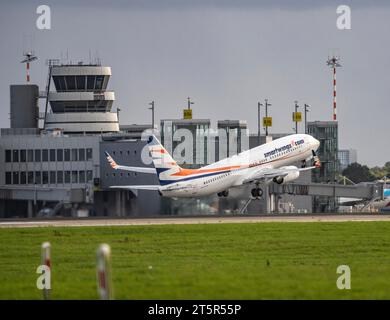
{"points": [[81, 102]]}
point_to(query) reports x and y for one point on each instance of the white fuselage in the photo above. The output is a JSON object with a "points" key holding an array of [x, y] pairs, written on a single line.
{"points": [[232, 171]]}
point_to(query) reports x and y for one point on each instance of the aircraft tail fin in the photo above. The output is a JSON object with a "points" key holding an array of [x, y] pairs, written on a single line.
{"points": [[162, 160]]}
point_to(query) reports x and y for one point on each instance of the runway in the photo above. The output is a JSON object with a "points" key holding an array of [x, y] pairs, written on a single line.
{"points": [[102, 222]]}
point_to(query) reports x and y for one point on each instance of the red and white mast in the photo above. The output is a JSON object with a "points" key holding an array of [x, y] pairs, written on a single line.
{"points": [[28, 57], [334, 63]]}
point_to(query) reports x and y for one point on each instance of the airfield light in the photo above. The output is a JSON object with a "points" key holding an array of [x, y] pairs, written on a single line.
{"points": [[104, 272], [46, 260]]}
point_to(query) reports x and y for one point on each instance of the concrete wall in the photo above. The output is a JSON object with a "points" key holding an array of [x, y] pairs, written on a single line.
{"points": [[24, 106]]}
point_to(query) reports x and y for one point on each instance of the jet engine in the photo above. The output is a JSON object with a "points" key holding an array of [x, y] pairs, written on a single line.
{"points": [[294, 174]]}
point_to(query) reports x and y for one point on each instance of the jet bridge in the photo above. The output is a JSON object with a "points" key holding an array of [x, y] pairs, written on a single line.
{"points": [[358, 191]]}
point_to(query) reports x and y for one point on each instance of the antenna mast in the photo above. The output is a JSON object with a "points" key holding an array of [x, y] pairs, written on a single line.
{"points": [[28, 57], [334, 63]]}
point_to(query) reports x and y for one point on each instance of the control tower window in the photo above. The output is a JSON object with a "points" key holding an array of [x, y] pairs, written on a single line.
{"points": [[59, 83], [71, 82], [90, 82], [99, 82], [80, 82]]}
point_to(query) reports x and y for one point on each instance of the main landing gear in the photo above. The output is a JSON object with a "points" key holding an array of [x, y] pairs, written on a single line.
{"points": [[224, 193], [257, 192], [316, 159]]}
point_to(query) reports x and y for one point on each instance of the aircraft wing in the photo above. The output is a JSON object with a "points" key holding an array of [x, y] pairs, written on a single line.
{"points": [[266, 174], [154, 187], [116, 166], [351, 201]]}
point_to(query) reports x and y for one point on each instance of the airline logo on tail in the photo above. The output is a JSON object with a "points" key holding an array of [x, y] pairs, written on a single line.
{"points": [[110, 160]]}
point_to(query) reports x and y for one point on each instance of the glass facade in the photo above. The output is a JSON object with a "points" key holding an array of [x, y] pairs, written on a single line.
{"points": [[233, 138], [80, 83], [327, 133], [198, 130], [347, 157]]}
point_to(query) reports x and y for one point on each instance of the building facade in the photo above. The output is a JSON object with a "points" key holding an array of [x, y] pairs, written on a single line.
{"points": [[327, 133], [346, 158]]}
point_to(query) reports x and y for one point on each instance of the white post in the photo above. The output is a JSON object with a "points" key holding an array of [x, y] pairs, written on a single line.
{"points": [[104, 272], [46, 261]]}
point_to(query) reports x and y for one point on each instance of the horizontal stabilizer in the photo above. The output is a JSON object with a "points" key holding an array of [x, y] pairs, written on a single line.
{"points": [[154, 187], [116, 166]]}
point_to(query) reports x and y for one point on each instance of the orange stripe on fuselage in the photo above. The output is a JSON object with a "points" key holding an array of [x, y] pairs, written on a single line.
{"points": [[158, 150], [188, 172]]}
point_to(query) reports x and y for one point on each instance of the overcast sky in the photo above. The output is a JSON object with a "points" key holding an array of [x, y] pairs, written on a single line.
{"points": [[225, 55]]}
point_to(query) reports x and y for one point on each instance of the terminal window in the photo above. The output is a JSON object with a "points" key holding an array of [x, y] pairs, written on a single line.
{"points": [[15, 178], [67, 176], [23, 156], [37, 155], [15, 155], [45, 155], [52, 155], [7, 155], [74, 154], [60, 177], [67, 154], [45, 177], [30, 177], [82, 176], [30, 155], [81, 154], [89, 154], [60, 155], [23, 179], [37, 177], [74, 176], [89, 176], [52, 177]]}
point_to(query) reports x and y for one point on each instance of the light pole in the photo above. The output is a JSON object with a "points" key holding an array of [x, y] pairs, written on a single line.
{"points": [[306, 111], [258, 122], [266, 115], [152, 108], [189, 102], [117, 113], [296, 122]]}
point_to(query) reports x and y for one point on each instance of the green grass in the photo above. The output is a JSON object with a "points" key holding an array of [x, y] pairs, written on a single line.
{"points": [[219, 261]]}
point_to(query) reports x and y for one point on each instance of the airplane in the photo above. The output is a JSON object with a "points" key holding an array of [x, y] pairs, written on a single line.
{"points": [[270, 162], [382, 204]]}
